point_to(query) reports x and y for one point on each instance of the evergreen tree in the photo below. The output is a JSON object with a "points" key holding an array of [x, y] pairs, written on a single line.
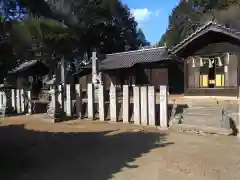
{"points": [[189, 15]]}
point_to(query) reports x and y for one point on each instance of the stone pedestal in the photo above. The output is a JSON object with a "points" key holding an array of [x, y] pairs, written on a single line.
{"points": [[54, 112]]}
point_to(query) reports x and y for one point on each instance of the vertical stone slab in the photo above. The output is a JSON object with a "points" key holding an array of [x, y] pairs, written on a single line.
{"points": [[151, 106], [78, 100], [94, 67], [90, 101], [18, 101], [163, 106], [113, 104], [125, 104], [22, 99], [136, 105], [13, 99], [60, 97], [101, 103], [29, 102], [144, 105], [1, 97], [69, 101]]}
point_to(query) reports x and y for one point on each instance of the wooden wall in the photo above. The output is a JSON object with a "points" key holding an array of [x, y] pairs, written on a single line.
{"points": [[151, 74], [231, 79]]}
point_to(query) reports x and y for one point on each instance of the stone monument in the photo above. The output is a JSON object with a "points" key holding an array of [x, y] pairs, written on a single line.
{"points": [[55, 111]]}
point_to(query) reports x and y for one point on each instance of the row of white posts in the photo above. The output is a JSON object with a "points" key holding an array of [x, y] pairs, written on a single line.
{"points": [[20, 101], [144, 102]]}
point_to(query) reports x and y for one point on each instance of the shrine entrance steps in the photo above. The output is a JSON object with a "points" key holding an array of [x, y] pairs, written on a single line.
{"points": [[208, 113]]}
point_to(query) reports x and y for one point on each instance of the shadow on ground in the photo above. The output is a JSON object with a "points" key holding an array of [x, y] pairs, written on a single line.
{"points": [[27, 154]]}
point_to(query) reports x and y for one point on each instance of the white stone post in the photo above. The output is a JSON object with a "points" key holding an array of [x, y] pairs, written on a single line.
{"points": [[1, 97], [94, 67], [69, 101], [113, 104], [163, 106], [78, 101], [63, 71], [136, 105], [13, 98], [29, 102], [22, 99], [60, 97], [90, 101], [125, 104], [18, 101], [101, 103], [151, 105], [144, 105]]}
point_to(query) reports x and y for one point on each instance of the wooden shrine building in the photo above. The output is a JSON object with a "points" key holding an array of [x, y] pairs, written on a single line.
{"points": [[211, 58], [151, 66]]}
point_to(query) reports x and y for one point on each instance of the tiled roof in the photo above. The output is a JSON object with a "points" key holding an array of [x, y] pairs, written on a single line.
{"points": [[24, 66], [131, 58], [210, 26]]}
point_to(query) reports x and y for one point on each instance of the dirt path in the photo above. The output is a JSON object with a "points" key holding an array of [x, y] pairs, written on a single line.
{"points": [[31, 149]]}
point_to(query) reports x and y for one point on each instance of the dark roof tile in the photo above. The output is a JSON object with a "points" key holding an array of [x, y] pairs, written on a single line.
{"points": [[131, 58]]}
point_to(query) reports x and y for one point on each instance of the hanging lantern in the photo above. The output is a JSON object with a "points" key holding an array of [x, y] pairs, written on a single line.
{"points": [[210, 64], [220, 62], [193, 62], [226, 62]]}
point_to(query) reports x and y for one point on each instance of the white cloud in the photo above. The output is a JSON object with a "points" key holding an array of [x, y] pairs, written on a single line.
{"points": [[144, 14]]}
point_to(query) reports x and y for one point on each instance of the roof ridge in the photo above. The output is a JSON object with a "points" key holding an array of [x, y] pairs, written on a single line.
{"points": [[202, 28], [194, 33], [139, 50]]}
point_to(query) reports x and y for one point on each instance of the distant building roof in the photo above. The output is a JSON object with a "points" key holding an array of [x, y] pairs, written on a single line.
{"points": [[211, 26], [130, 58], [30, 64]]}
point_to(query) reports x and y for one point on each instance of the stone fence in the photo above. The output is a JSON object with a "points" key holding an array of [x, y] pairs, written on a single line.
{"points": [[141, 109]]}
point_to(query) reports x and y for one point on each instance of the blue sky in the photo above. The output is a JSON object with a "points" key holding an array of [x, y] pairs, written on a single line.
{"points": [[152, 16]]}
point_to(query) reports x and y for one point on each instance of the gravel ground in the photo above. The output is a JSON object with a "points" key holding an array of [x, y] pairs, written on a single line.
{"points": [[74, 150]]}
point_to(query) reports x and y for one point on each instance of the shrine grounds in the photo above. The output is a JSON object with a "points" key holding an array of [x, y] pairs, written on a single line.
{"points": [[88, 150]]}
